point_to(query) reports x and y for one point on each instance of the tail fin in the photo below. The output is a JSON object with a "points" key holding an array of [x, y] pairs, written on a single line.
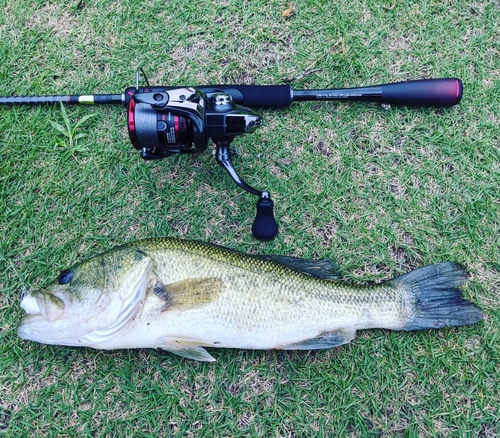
{"points": [[437, 301]]}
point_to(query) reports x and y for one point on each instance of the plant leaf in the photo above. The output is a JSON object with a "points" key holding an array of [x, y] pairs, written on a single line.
{"points": [[60, 128]]}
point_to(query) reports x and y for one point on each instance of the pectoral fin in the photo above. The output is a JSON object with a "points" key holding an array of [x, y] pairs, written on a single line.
{"points": [[325, 340], [193, 292]]}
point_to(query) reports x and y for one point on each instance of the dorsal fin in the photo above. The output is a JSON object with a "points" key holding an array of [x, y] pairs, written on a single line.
{"points": [[325, 269]]}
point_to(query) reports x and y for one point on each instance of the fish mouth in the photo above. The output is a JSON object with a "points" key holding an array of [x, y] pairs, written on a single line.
{"points": [[33, 316], [34, 325], [30, 304], [24, 330]]}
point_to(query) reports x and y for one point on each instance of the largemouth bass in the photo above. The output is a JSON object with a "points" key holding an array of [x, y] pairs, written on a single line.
{"points": [[182, 296]]}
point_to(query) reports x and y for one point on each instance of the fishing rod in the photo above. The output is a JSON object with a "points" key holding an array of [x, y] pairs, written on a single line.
{"points": [[163, 121]]}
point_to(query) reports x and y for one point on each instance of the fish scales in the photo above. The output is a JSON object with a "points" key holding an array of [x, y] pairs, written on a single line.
{"points": [[278, 293], [183, 295]]}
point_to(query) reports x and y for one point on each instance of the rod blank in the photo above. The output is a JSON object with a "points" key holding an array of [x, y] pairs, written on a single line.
{"points": [[442, 92]]}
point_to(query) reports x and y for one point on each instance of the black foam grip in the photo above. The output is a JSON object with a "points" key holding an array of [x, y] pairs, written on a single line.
{"points": [[255, 96], [426, 92], [251, 96]]}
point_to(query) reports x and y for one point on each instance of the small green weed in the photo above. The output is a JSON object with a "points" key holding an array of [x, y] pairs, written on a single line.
{"points": [[71, 143]]}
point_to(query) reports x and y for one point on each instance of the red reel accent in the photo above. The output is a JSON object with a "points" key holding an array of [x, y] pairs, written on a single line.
{"points": [[131, 124], [145, 129]]}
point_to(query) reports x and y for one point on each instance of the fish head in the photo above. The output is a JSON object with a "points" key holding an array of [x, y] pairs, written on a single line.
{"points": [[90, 302]]}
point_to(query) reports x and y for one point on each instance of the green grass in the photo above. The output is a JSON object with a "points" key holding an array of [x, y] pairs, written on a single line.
{"points": [[381, 191]]}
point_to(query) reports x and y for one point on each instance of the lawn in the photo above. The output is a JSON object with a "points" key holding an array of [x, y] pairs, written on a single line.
{"points": [[381, 190]]}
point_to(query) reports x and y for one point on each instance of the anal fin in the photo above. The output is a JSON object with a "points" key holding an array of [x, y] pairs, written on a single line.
{"points": [[195, 353], [324, 340], [188, 348]]}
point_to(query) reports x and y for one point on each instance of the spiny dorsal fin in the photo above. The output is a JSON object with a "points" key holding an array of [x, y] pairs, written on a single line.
{"points": [[193, 292], [325, 269]]}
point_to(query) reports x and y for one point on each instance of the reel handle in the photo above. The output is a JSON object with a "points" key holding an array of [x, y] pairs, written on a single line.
{"points": [[264, 226]]}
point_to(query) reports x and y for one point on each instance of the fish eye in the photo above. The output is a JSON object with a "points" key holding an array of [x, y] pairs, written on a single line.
{"points": [[65, 276]]}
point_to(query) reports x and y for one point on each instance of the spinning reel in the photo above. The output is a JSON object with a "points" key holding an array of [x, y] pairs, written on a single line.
{"points": [[183, 120]]}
